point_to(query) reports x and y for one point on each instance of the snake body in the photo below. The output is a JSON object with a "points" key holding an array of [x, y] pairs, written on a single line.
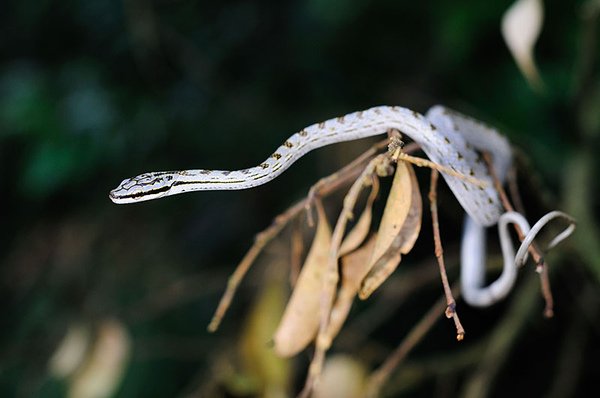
{"points": [[439, 134]]}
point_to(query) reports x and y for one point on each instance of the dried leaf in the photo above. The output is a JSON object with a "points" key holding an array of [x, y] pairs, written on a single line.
{"points": [[407, 237], [402, 243], [521, 26], [354, 268], [396, 210], [106, 364], [71, 352], [300, 320], [378, 274], [342, 376], [359, 232]]}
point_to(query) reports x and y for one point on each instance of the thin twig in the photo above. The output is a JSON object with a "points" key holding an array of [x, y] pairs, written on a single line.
{"points": [[260, 241], [439, 254]]}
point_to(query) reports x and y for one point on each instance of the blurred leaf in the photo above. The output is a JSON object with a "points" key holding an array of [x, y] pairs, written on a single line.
{"points": [[343, 376], [101, 374], [271, 372], [71, 352], [521, 27], [300, 320]]}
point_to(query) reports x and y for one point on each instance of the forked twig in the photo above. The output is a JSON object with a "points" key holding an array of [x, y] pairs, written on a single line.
{"points": [[439, 254]]}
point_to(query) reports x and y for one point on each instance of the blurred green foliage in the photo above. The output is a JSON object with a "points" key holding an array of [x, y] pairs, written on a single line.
{"points": [[95, 91]]}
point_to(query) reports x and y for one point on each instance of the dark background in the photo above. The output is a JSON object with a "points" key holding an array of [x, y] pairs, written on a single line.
{"points": [[95, 91]]}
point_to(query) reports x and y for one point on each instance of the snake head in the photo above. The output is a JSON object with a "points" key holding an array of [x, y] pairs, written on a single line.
{"points": [[143, 187]]}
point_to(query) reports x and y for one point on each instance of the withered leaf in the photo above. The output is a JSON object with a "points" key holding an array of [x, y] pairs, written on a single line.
{"points": [[354, 267], [300, 320], [402, 243], [395, 212]]}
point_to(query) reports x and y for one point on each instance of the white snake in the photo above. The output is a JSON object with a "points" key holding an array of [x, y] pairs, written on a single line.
{"points": [[447, 138]]}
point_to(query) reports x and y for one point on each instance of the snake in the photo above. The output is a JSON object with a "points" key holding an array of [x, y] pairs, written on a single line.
{"points": [[445, 145], [448, 138]]}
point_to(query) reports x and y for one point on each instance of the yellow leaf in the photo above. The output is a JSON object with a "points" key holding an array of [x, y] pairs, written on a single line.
{"points": [[402, 243], [354, 268], [395, 212], [300, 320]]}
